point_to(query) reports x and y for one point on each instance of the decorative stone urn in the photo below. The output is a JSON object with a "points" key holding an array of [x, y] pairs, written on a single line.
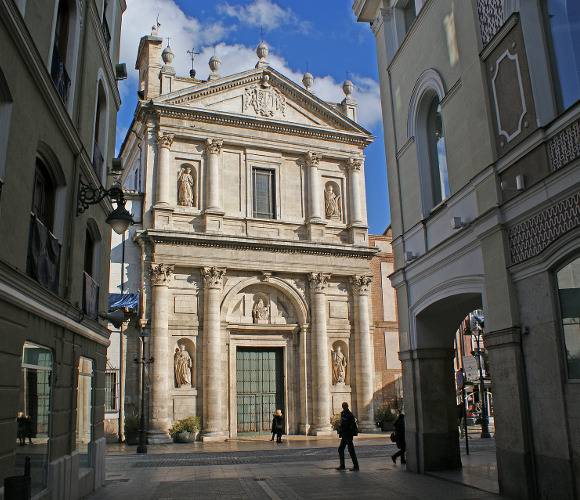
{"points": [[185, 437]]}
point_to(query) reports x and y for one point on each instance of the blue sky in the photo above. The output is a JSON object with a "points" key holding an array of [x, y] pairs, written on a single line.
{"points": [[320, 36]]}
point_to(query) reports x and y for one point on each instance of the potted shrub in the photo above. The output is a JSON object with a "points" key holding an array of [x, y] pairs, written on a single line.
{"points": [[386, 414], [131, 429], [186, 430], [335, 421]]}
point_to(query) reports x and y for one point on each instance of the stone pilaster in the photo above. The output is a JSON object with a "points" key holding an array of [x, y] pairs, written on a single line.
{"points": [[316, 222], [354, 166], [161, 276], [164, 143], [213, 213], [303, 357], [214, 404], [364, 375], [320, 356]]}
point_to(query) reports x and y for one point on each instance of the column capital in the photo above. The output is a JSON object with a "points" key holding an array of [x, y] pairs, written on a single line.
{"points": [[312, 159], [361, 284], [161, 274], [318, 282], [165, 140], [354, 164], [213, 146], [213, 277]]}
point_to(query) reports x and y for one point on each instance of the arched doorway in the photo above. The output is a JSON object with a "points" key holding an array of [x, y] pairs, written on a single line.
{"points": [[430, 394], [266, 325]]}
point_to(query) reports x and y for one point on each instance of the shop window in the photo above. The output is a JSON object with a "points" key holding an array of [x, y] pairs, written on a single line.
{"points": [[84, 432], [264, 193], [564, 24], [33, 417], [568, 279]]}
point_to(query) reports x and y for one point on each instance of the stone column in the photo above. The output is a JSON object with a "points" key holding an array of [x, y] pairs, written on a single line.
{"points": [[164, 142], [314, 192], [213, 150], [320, 356], [214, 392], [354, 168], [303, 362], [161, 276], [361, 286]]}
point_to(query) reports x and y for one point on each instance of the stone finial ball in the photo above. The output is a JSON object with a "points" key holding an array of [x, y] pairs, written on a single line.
{"points": [[308, 80], [167, 55], [214, 63], [347, 87], [262, 51]]}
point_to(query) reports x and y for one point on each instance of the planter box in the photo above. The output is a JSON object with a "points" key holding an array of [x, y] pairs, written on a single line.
{"points": [[185, 437]]}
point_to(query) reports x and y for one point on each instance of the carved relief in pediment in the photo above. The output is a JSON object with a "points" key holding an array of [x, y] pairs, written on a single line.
{"points": [[268, 101]]}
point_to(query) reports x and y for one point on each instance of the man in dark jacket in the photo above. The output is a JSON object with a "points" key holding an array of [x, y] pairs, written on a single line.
{"points": [[346, 431], [400, 439]]}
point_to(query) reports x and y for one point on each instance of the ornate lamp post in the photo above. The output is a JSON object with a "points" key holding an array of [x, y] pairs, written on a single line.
{"points": [[144, 361], [119, 219]]}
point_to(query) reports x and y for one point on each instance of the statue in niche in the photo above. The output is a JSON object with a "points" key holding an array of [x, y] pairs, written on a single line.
{"points": [[339, 363], [332, 203], [260, 311], [183, 365], [186, 188]]}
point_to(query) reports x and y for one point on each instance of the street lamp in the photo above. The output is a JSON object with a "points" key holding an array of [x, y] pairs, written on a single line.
{"points": [[143, 361], [478, 323], [119, 219]]}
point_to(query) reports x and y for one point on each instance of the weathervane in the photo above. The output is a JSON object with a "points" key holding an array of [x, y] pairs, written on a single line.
{"points": [[156, 26], [192, 53]]}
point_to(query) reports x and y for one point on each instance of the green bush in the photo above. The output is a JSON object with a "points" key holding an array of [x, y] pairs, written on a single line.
{"points": [[388, 412], [131, 424], [189, 424]]}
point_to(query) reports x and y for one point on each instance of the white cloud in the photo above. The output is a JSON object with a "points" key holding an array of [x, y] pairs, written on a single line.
{"points": [[186, 32], [265, 14]]}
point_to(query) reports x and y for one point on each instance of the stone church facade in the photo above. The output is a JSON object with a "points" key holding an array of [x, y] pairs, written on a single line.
{"points": [[251, 252]]}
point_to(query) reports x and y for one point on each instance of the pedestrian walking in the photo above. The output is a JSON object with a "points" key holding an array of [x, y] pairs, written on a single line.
{"points": [[21, 428], [29, 428], [346, 431], [277, 426], [400, 439]]}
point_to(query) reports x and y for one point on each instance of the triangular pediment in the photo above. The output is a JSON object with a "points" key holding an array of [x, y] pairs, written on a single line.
{"points": [[262, 94]]}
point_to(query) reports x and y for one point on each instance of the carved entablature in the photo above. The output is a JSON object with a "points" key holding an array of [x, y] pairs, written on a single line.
{"points": [[161, 274], [264, 100], [361, 284], [354, 164], [312, 159], [213, 277], [318, 281], [214, 146], [165, 140]]}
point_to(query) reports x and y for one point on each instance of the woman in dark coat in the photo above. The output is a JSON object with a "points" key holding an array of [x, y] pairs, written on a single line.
{"points": [[278, 426], [21, 428], [400, 439]]}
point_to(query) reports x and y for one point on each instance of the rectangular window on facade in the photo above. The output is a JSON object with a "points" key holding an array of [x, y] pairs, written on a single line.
{"points": [[111, 391], [33, 414], [84, 407], [263, 183]]}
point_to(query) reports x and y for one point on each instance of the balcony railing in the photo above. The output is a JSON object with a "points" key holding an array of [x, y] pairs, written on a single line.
{"points": [[90, 296], [98, 160], [106, 32], [43, 255], [59, 75]]}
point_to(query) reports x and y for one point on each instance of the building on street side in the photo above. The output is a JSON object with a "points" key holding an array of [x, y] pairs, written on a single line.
{"points": [[481, 118], [58, 107]]}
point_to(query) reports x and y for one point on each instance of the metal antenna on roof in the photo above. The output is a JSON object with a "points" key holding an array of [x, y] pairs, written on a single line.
{"points": [[192, 53], [168, 41], [261, 33]]}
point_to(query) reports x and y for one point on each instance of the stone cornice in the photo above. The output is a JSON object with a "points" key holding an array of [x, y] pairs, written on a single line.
{"points": [[243, 243], [256, 123]]}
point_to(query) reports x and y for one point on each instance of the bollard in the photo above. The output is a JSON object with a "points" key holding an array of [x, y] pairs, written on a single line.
{"points": [[18, 487]]}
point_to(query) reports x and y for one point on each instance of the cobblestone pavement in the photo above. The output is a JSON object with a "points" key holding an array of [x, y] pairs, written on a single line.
{"points": [[287, 471]]}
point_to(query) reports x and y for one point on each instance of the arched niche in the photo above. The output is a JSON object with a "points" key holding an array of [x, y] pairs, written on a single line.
{"points": [[333, 201], [287, 306], [181, 364], [340, 363]]}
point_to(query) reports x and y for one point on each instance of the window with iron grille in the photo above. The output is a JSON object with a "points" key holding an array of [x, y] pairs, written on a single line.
{"points": [[111, 391], [263, 182]]}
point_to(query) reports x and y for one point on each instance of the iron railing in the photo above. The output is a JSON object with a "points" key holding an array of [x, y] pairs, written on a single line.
{"points": [[90, 296], [98, 160], [43, 261]]}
